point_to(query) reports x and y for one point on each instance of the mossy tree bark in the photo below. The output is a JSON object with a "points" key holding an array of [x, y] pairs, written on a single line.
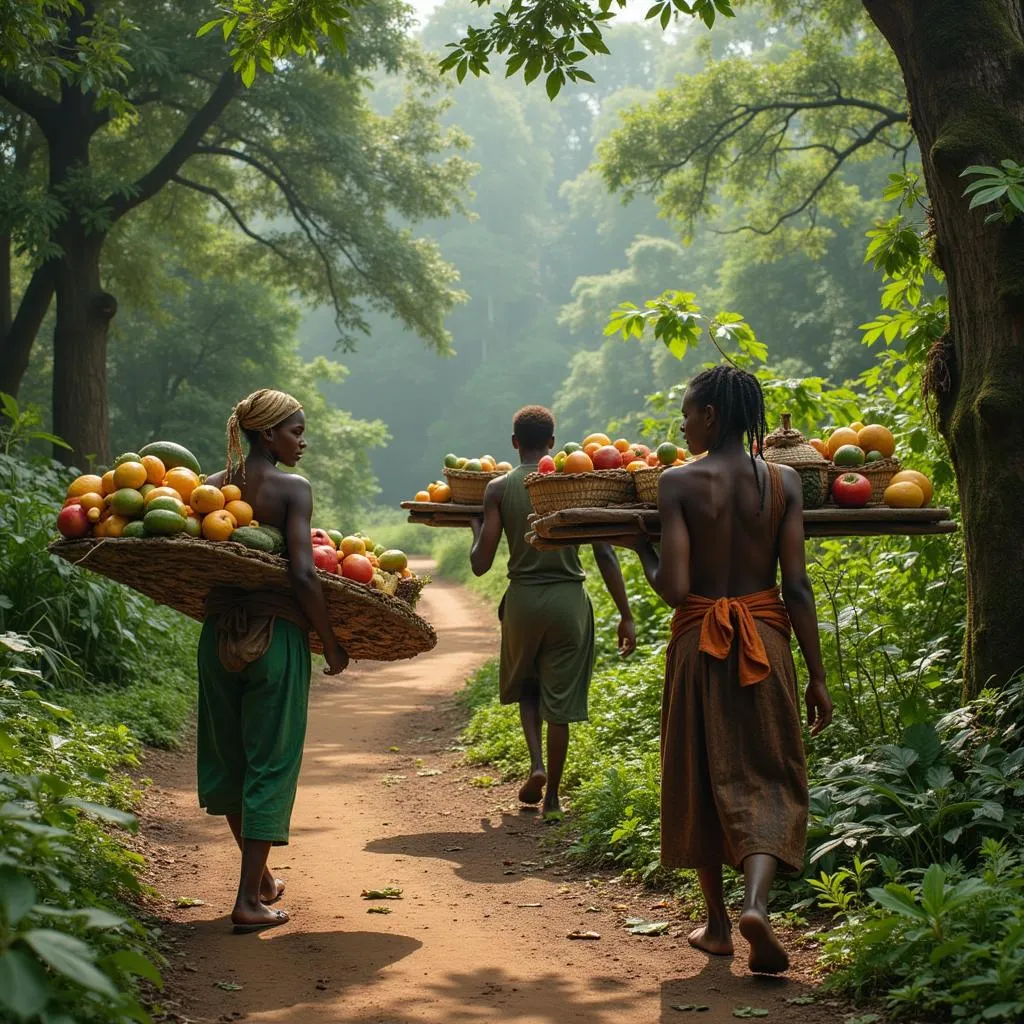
{"points": [[963, 64]]}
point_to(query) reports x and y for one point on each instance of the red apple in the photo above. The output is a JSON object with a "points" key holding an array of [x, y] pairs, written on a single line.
{"points": [[358, 568], [628, 456], [325, 557], [321, 538], [851, 490], [607, 457], [73, 521], [546, 465]]}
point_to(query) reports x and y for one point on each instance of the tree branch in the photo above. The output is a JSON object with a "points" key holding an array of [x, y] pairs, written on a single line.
{"points": [[186, 144], [37, 105]]}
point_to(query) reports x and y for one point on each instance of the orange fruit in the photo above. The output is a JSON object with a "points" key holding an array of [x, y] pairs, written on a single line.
{"points": [[352, 546], [578, 462], [487, 464], [836, 440], [819, 446], [422, 496], [441, 493], [205, 499], [912, 476], [622, 444], [87, 484], [876, 438], [184, 481], [107, 483], [241, 510], [231, 492], [129, 474], [592, 447], [857, 425], [161, 492], [406, 573], [652, 459], [218, 525], [373, 560], [113, 525], [904, 494], [155, 469], [636, 464], [599, 439], [92, 500], [504, 467]]}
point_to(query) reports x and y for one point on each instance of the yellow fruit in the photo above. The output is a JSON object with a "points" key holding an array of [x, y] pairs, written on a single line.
{"points": [[219, 524], [205, 499], [504, 467], [87, 484], [422, 496], [231, 492], [635, 465], [836, 440], [858, 426], [912, 476], [904, 495], [599, 439], [155, 469], [876, 438], [129, 474], [488, 465], [578, 462], [108, 486], [352, 546], [114, 525], [161, 492], [92, 500], [184, 481], [241, 510], [441, 493]]}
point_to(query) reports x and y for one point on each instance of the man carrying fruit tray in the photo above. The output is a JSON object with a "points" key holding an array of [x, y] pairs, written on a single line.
{"points": [[254, 661], [547, 622]]}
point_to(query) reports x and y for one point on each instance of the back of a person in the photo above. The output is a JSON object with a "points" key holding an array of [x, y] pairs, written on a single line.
{"points": [[727, 505]]}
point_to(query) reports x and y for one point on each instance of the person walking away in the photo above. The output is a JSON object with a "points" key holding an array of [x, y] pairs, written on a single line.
{"points": [[547, 622], [734, 778], [254, 659]]}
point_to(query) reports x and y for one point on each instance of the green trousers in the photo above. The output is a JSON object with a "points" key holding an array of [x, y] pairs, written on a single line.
{"points": [[250, 732]]}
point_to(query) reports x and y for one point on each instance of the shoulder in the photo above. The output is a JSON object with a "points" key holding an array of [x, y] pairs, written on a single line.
{"points": [[791, 482], [496, 489], [678, 479]]}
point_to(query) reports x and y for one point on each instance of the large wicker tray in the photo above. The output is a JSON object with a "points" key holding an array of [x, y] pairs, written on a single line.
{"points": [[436, 513], [594, 525], [178, 572]]}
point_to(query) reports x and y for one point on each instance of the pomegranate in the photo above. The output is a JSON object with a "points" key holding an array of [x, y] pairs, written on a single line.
{"points": [[325, 557]]}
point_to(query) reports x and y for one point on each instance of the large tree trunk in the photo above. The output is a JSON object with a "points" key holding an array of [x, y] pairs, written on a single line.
{"points": [[20, 331], [84, 312], [963, 64]]}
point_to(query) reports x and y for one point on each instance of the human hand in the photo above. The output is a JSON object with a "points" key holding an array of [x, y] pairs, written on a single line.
{"points": [[337, 660], [819, 705], [627, 637]]}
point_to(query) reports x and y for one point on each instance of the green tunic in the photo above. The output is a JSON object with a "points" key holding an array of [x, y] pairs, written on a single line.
{"points": [[250, 731], [547, 622]]}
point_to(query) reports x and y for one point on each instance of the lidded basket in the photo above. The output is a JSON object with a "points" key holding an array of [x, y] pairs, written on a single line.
{"points": [[789, 447]]}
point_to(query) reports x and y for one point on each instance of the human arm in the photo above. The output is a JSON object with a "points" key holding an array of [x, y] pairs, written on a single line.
{"points": [[799, 600], [668, 571], [611, 573], [302, 573], [487, 529]]}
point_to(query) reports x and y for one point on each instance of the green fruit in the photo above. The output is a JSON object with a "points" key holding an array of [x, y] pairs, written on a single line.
{"points": [[874, 457], [393, 561], [370, 544], [336, 535], [461, 463], [159, 522], [146, 488], [667, 453], [849, 456], [473, 466], [254, 537], [193, 527], [127, 501], [134, 529], [172, 455], [378, 550], [571, 446], [127, 457], [168, 504], [451, 461]]}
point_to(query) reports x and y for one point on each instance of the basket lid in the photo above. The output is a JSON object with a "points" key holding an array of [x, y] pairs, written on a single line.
{"points": [[788, 446]]}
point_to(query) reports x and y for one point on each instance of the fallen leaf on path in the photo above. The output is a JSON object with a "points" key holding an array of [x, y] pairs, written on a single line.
{"points": [[749, 1011], [392, 780], [691, 1008], [454, 849], [427, 772], [593, 910], [529, 864], [189, 901], [509, 872], [483, 782], [378, 910], [800, 1001], [523, 906], [638, 926], [387, 893], [583, 935], [228, 986], [394, 750]]}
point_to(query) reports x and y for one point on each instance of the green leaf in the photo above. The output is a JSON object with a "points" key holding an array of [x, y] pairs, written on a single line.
{"points": [[988, 195], [210, 26], [24, 989], [533, 68], [933, 889], [135, 963], [71, 957], [749, 1011], [899, 899], [249, 72], [123, 818], [922, 738], [17, 896]]}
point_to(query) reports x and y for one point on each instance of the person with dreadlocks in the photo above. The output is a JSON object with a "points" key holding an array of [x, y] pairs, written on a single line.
{"points": [[734, 778], [254, 661]]}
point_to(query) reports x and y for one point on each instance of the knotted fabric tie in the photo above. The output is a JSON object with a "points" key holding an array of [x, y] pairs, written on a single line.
{"points": [[721, 620]]}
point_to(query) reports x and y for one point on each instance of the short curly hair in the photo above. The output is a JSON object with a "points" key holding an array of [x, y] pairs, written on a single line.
{"points": [[533, 426]]}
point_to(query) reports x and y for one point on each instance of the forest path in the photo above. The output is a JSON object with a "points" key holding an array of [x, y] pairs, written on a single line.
{"points": [[384, 801]]}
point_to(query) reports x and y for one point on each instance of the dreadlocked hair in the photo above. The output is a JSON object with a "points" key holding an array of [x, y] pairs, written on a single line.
{"points": [[262, 410], [739, 401]]}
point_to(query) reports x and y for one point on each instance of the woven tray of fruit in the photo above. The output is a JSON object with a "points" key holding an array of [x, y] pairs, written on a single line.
{"points": [[152, 523]]}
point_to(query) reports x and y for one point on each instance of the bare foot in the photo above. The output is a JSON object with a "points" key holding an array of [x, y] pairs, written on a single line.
{"points": [[246, 918], [271, 888], [766, 953], [711, 941], [533, 788], [552, 811]]}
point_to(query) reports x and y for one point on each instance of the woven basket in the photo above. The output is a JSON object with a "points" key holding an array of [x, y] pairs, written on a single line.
{"points": [[599, 488], [468, 487], [410, 588], [179, 571], [646, 482], [879, 473], [788, 447]]}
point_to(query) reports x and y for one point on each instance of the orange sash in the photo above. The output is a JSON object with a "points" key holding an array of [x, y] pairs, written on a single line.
{"points": [[720, 620]]}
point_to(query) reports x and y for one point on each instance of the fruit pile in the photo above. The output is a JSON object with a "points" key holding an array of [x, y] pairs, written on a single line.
{"points": [[440, 492], [857, 446], [599, 452], [358, 558]]}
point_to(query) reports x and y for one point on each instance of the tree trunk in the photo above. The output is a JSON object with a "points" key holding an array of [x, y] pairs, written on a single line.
{"points": [[84, 312], [20, 332], [962, 61]]}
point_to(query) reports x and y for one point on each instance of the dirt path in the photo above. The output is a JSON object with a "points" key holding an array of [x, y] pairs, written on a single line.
{"points": [[468, 943]]}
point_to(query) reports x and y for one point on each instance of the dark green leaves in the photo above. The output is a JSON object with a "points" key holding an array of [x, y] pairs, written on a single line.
{"points": [[23, 985], [71, 957], [1001, 187]]}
